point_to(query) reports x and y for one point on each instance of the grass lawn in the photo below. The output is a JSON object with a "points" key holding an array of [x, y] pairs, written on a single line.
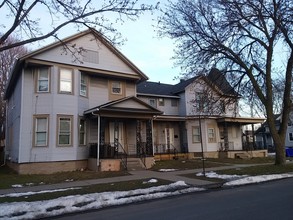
{"points": [[8, 177], [259, 170], [209, 162], [109, 187]]}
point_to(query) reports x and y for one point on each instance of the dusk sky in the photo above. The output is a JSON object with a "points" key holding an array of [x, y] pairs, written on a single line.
{"points": [[150, 54]]}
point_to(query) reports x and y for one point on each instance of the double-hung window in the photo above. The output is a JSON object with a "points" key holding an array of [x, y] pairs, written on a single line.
{"points": [[65, 81], [82, 132], [152, 102], [211, 135], [64, 130], [161, 101], [83, 84], [195, 134], [41, 131], [116, 88], [290, 136], [43, 79], [201, 102]]}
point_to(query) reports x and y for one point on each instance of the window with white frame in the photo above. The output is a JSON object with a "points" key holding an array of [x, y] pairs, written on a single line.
{"points": [[201, 102], [116, 88], [161, 101], [83, 84], [195, 134], [290, 136], [65, 81], [64, 130], [82, 132], [43, 79], [211, 135], [41, 131], [152, 102]]}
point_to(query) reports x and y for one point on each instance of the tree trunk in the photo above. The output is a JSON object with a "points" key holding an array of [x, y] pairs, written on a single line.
{"points": [[279, 143]]}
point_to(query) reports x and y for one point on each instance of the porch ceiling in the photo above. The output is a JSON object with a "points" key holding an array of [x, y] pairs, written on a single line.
{"points": [[241, 120]]}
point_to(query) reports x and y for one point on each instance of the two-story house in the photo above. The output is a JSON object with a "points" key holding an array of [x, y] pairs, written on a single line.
{"points": [[201, 114], [80, 103], [70, 96]]}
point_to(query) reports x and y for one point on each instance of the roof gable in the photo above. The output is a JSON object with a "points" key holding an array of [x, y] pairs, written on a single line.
{"points": [[87, 49], [127, 105]]}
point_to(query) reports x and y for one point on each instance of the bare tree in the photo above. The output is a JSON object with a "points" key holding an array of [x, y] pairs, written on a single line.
{"points": [[242, 37], [36, 20], [7, 58]]}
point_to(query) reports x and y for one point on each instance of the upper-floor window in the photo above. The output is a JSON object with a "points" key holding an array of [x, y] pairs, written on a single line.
{"points": [[65, 81], [41, 131], [211, 135], [152, 102], [82, 132], [201, 102], [43, 79], [195, 134], [161, 101], [116, 88], [64, 130], [222, 107], [83, 84]]}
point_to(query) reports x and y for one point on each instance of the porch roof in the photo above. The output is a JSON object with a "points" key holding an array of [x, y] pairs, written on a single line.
{"points": [[241, 120], [128, 107]]}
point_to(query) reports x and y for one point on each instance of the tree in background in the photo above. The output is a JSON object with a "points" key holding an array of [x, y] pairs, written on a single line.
{"points": [[245, 38], [7, 58], [37, 20]]}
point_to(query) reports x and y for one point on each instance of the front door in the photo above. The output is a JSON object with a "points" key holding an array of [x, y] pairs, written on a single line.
{"points": [[116, 134], [169, 138]]}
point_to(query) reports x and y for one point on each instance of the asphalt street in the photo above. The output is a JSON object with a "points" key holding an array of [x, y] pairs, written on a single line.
{"points": [[270, 200]]}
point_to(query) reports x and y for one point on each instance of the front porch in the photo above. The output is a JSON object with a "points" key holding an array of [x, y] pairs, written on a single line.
{"points": [[121, 130]]}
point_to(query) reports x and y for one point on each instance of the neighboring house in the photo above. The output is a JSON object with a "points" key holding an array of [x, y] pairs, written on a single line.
{"points": [[200, 114], [80, 103], [264, 138]]}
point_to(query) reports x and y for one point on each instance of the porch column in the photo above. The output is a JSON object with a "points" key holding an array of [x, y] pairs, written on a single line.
{"points": [[226, 138], [149, 137], [98, 144], [138, 138]]}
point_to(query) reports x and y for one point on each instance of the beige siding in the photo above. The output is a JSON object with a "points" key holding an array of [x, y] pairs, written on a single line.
{"points": [[98, 91]]}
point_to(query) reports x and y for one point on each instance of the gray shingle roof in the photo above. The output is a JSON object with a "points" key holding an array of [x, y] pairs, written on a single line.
{"points": [[155, 88], [215, 77]]}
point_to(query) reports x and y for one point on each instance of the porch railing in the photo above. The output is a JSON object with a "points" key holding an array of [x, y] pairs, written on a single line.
{"points": [[166, 149], [109, 151], [225, 146], [141, 152]]}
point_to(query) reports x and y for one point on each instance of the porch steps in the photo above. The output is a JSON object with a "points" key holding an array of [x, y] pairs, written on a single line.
{"points": [[242, 156], [134, 164]]}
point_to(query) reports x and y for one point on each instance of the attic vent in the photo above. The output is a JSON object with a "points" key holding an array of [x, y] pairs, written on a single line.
{"points": [[91, 56]]}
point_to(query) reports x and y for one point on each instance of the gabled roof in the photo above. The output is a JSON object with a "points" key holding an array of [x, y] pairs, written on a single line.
{"points": [[218, 79], [21, 61], [128, 106], [215, 79], [155, 88]]}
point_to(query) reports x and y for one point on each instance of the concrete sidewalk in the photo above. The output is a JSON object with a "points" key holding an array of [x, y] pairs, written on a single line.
{"points": [[134, 175]]}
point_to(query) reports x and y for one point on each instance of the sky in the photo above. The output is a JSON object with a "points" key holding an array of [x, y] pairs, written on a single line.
{"points": [[142, 46], [78, 203]]}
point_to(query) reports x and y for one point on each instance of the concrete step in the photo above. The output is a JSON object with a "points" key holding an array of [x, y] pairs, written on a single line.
{"points": [[134, 164]]}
